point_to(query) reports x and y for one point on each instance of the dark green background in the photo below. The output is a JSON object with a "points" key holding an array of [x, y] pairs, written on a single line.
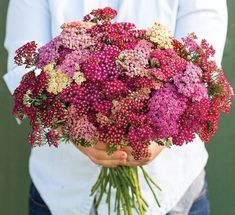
{"points": [[14, 178]]}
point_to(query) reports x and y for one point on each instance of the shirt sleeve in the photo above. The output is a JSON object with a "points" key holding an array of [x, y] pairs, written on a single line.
{"points": [[27, 20], [207, 18]]}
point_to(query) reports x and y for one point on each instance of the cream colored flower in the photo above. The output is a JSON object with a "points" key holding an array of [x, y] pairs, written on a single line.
{"points": [[27, 101], [57, 80], [102, 119], [160, 35], [79, 77]]}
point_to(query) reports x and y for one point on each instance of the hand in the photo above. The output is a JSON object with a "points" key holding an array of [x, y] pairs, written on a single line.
{"points": [[99, 156], [154, 150]]}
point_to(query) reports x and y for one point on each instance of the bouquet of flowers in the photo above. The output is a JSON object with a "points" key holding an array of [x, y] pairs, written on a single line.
{"points": [[108, 82]]}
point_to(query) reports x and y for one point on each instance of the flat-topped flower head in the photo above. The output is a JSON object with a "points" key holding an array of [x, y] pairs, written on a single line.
{"points": [[48, 53], [189, 83], [135, 61], [26, 54], [75, 36], [160, 35], [78, 25], [57, 80], [104, 14], [78, 77]]}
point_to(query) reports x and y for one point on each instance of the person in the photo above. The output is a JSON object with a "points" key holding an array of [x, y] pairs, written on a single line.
{"points": [[62, 178]]}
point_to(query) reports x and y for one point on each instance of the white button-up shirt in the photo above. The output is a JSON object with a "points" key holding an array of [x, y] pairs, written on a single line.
{"points": [[64, 176]]}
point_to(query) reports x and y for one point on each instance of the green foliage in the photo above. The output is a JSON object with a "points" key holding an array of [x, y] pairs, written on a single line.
{"points": [[111, 149], [215, 90]]}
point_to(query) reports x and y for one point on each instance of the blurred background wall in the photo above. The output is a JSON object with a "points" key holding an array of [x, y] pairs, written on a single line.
{"points": [[14, 151]]}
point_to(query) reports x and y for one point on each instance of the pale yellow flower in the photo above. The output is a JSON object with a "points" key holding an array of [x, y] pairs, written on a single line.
{"points": [[102, 118], [160, 35], [57, 80], [27, 101], [78, 77]]}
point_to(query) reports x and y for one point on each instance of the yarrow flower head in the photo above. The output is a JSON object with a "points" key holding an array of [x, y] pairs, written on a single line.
{"points": [[80, 127], [79, 78], [48, 53], [28, 96], [165, 108], [75, 36], [106, 13], [166, 64], [192, 121], [135, 62], [189, 83], [26, 55], [190, 42], [160, 35], [57, 80], [101, 65], [71, 62], [140, 139]]}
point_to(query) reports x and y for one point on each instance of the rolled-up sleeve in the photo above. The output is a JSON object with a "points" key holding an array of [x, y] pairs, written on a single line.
{"points": [[27, 20], [207, 18]]}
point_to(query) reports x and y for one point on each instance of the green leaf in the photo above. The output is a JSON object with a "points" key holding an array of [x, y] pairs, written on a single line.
{"points": [[215, 90], [111, 149]]}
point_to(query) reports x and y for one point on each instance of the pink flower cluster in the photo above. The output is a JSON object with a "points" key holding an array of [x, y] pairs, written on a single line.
{"points": [[165, 108], [70, 61], [168, 64], [121, 88], [189, 83], [101, 64], [75, 36], [80, 126], [135, 61], [48, 53]]}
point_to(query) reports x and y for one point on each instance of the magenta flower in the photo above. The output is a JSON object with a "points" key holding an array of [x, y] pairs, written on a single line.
{"points": [[168, 64], [189, 83], [71, 62], [49, 53], [165, 108]]}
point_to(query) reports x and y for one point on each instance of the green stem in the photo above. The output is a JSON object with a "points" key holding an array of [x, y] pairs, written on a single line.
{"points": [[127, 176], [134, 174], [99, 181], [154, 195], [125, 182], [108, 199], [152, 181]]}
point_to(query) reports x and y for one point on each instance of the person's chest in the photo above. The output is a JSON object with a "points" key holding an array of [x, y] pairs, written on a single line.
{"points": [[141, 12]]}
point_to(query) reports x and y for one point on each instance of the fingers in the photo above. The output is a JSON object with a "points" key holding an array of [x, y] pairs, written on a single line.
{"points": [[100, 145], [132, 162], [100, 156], [108, 163], [127, 149], [153, 150], [136, 163]]}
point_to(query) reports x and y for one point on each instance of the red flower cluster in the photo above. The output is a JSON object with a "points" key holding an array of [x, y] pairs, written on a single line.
{"points": [[106, 13], [26, 55]]}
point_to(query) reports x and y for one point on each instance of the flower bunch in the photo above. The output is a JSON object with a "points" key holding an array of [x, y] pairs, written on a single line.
{"points": [[112, 83]]}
